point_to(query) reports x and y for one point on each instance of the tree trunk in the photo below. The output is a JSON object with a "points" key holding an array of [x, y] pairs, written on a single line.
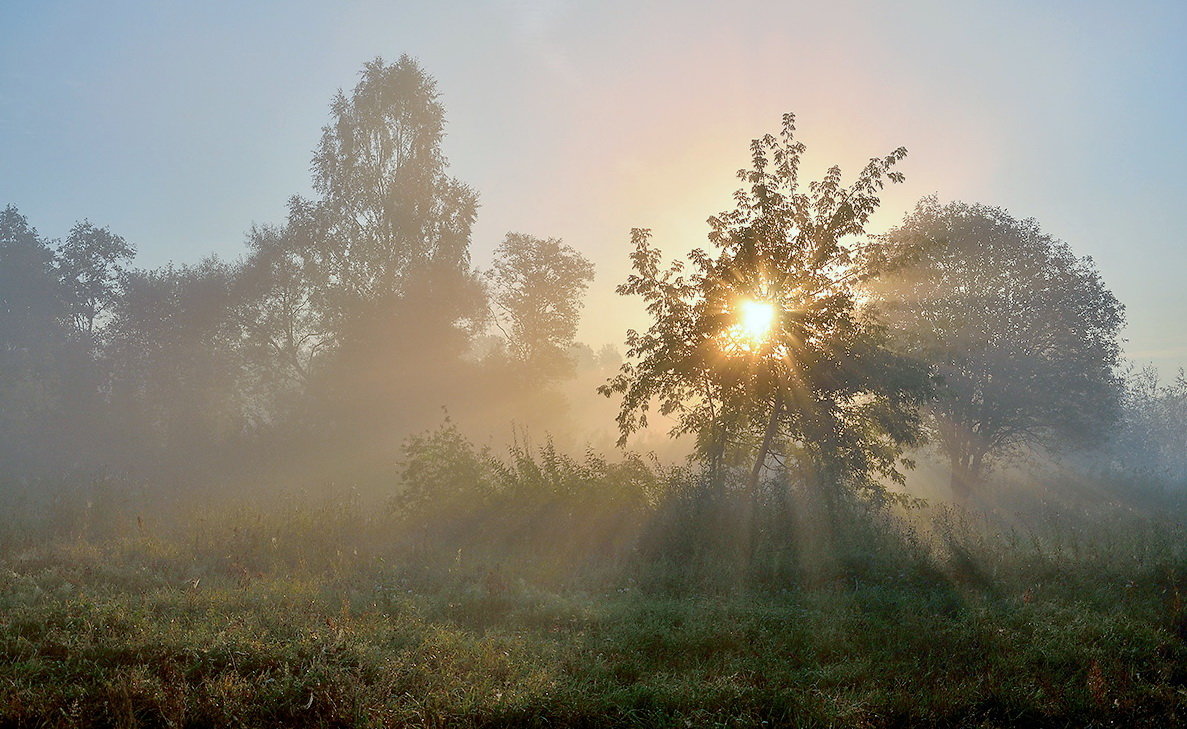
{"points": [[760, 460], [764, 449], [716, 483], [959, 482], [965, 474]]}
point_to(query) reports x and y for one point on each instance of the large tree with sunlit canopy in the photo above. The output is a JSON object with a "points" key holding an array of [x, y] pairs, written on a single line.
{"points": [[760, 347]]}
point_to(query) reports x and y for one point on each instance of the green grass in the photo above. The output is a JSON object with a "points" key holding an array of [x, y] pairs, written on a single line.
{"points": [[1068, 626]]}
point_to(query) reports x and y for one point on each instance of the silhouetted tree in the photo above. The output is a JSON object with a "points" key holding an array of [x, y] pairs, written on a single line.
{"points": [[31, 303], [89, 263], [1023, 334], [536, 289], [763, 346], [172, 353], [372, 301], [388, 219], [32, 345], [285, 333], [50, 400]]}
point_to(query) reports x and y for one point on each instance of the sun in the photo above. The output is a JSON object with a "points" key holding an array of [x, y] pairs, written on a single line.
{"points": [[755, 321]]}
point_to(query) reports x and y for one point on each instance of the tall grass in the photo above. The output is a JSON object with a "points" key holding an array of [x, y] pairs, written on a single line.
{"points": [[539, 589]]}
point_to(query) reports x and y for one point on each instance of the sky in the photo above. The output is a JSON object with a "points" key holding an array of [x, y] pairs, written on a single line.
{"points": [[182, 124]]}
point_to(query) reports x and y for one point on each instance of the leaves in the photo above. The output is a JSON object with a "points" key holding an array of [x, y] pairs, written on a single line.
{"points": [[823, 371], [536, 286], [387, 212], [1023, 334], [89, 263]]}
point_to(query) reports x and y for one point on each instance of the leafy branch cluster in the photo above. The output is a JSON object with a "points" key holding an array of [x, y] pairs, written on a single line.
{"points": [[822, 388]]}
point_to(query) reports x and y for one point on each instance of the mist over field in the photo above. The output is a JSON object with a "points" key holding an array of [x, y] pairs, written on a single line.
{"points": [[678, 394]]}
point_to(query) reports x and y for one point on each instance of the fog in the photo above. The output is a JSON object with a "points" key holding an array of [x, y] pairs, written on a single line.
{"points": [[575, 368], [309, 362]]}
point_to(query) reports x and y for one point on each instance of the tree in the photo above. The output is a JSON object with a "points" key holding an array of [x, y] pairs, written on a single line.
{"points": [[90, 262], [763, 346], [536, 287], [387, 241], [285, 334], [31, 303], [32, 345], [171, 353], [1150, 446], [1022, 333], [49, 384], [373, 276], [389, 223]]}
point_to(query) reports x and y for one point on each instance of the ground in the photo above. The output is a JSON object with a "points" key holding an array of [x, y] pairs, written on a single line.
{"points": [[149, 631]]}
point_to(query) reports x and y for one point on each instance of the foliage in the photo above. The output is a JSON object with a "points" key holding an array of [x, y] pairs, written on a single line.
{"points": [[170, 351], [378, 301], [90, 262], [1023, 334], [343, 330], [1148, 448], [821, 390], [456, 498], [536, 288], [285, 334], [389, 222], [442, 473], [46, 384], [1155, 424], [381, 255], [30, 302]]}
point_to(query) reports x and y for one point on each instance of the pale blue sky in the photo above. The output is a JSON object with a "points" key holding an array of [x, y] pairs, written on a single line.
{"points": [[179, 124]]}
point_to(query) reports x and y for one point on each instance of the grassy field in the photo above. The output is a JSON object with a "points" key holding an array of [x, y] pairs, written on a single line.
{"points": [[306, 619]]}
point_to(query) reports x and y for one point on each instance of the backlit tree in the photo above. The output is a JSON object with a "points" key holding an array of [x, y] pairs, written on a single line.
{"points": [[762, 349]]}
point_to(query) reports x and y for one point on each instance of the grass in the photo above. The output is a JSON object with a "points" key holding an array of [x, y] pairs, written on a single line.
{"points": [[303, 620]]}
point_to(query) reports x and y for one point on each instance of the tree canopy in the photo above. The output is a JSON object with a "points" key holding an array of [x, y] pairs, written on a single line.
{"points": [[1022, 333], [31, 304], [388, 222], [762, 347], [536, 286], [90, 262]]}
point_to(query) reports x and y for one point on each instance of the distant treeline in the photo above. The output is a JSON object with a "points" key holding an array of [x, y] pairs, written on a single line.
{"points": [[337, 334]]}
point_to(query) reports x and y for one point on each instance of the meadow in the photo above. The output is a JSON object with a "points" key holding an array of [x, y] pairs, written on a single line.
{"points": [[560, 592], [219, 505]]}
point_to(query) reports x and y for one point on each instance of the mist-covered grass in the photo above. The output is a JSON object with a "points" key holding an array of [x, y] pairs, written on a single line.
{"points": [[558, 591]]}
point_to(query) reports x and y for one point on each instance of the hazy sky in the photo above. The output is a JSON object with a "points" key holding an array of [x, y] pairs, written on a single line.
{"points": [[179, 124]]}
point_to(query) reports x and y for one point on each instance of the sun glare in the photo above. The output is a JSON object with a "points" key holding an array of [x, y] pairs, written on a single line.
{"points": [[755, 321], [757, 318]]}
